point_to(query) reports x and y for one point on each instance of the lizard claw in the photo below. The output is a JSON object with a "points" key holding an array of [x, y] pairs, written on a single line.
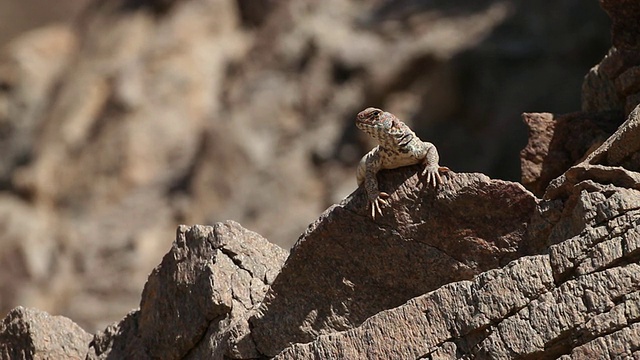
{"points": [[432, 174], [376, 202]]}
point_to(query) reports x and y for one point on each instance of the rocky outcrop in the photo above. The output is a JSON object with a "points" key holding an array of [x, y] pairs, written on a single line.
{"points": [[579, 301], [362, 289], [443, 274], [34, 334], [198, 299], [347, 267], [557, 142], [143, 115], [449, 321], [610, 91], [478, 268]]}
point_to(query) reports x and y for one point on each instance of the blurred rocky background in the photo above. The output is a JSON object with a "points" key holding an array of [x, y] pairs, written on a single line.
{"points": [[120, 119]]}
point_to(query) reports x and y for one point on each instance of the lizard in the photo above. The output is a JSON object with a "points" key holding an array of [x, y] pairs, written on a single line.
{"points": [[398, 146]]}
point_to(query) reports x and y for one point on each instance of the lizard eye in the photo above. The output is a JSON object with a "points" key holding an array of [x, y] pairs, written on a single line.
{"points": [[376, 113]]}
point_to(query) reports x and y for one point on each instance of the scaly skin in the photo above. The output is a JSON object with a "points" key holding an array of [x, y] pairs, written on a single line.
{"points": [[397, 146]]}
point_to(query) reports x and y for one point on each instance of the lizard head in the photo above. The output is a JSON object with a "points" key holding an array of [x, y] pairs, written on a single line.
{"points": [[377, 123]]}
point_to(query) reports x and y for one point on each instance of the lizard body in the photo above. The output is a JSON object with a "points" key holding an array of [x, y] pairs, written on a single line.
{"points": [[397, 146]]}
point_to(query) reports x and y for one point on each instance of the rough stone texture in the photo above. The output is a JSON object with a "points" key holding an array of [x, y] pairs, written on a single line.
{"points": [[579, 301], [610, 92], [622, 344], [33, 334], [171, 110], [142, 115], [348, 267], [614, 83], [454, 317], [200, 293], [444, 275], [558, 142], [598, 89]]}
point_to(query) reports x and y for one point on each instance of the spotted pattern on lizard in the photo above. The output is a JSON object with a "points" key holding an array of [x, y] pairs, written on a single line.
{"points": [[397, 146]]}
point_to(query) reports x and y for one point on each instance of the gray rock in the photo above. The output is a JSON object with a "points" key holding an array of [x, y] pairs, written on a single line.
{"points": [[348, 267], [456, 315], [580, 299], [33, 334], [144, 114], [200, 293], [172, 112]]}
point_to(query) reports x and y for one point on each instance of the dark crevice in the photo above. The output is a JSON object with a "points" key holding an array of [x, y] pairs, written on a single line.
{"points": [[254, 13], [213, 322], [233, 257], [588, 251], [575, 336], [572, 274]]}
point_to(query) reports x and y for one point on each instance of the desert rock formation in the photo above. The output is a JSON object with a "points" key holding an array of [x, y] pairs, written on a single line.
{"points": [[140, 107]]}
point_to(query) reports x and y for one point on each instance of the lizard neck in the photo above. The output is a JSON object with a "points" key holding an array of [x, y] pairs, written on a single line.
{"points": [[400, 140]]}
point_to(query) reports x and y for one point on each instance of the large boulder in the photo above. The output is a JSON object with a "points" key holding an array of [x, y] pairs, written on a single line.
{"points": [[348, 267], [197, 298], [143, 115], [27, 333], [579, 301]]}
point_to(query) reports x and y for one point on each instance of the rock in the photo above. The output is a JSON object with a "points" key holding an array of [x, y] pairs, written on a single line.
{"points": [[142, 115], [166, 112], [621, 148], [558, 142], [456, 316], [580, 300], [531, 307], [33, 334], [598, 90], [554, 323], [615, 161], [204, 288], [29, 69], [614, 84], [348, 267], [621, 344], [624, 28]]}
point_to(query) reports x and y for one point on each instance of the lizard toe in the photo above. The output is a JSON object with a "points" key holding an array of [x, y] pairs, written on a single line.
{"points": [[376, 205], [432, 176], [375, 209]]}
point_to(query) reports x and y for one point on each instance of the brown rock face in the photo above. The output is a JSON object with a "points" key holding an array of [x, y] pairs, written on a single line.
{"points": [[614, 84], [34, 334], [625, 28], [558, 142], [347, 267], [145, 114], [610, 91], [197, 298], [579, 301], [476, 269]]}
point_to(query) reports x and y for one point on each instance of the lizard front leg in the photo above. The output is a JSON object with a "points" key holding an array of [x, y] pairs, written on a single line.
{"points": [[431, 168], [367, 174]]}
